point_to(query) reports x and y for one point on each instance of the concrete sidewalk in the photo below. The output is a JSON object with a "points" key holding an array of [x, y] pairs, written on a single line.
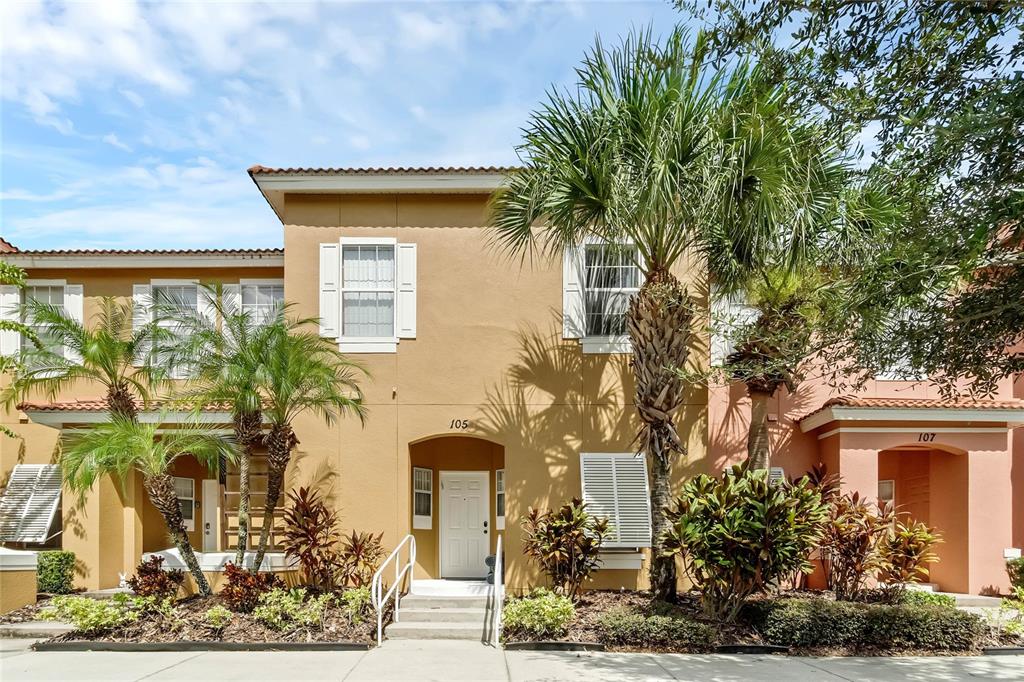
{"points": [[446, 660]]}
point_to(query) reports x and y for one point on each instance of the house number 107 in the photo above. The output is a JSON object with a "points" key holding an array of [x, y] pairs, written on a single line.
{"points": [[460, 424]]}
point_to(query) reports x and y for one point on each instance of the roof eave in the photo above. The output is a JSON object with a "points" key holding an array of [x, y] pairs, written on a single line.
{"points": [[1012, 417]]}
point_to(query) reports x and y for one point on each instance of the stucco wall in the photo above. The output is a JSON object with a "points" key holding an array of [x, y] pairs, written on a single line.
{"points": [[17, 589]]}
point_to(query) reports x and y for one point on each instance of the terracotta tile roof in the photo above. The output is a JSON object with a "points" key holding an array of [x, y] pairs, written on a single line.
{"points": [[96, 405], [6, 246], [916, 403], [397, 170], [148, 252]]}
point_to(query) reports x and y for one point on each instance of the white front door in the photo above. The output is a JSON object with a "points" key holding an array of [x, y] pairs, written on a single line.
{"points": [[211, 514], [465, 520]]}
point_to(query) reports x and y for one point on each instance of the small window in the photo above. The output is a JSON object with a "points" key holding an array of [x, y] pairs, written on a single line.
{"points": [[886, 492], [368, 291], [185, 489], [610, 278], [422, 498], [184, 300], [48, 294], [262, 301], [499, 499]]}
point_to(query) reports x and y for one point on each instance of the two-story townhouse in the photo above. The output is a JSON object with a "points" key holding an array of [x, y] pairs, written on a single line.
{"points": [[497, 385]]}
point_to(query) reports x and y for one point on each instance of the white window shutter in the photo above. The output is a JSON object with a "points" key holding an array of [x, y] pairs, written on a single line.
{"points": [[405, 303], [10, 303], [330, 298], [142, 313], [231, 298], [573, 311], [29, 503], [74, 304], [615, 486]]}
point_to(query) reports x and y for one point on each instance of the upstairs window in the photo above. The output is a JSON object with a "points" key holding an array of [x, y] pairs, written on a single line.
{"points": [[368, 291], [49, 294], [262, 300], [610, 278], [183, 300]]}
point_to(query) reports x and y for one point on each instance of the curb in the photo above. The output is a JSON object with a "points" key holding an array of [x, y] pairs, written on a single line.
{"points": [[553, 646], [1003, 651], [751, 649], [87, 645]]}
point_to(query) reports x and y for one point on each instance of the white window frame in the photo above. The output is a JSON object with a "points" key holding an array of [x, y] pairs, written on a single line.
{"points": [[591, 344], [154, 283], [367, 344], [499, 492], [242, 283], [63, 283], [190, 524], [892, 486], [419, 521], [589, 456]]}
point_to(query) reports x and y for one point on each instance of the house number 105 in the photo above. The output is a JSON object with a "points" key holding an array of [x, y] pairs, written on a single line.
{"points": [[460, 424]]}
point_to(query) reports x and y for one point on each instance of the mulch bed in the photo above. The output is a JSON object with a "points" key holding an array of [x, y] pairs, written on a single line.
{"points": [[188, 623], [585, 628], [25, 614]]}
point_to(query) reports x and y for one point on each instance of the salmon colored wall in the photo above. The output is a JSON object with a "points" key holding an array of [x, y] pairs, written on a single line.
{"points": [[1017, 472], [949, 514]]}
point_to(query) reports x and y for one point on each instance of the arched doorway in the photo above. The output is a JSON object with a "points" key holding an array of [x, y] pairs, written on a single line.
{"points": [[457, 485]]}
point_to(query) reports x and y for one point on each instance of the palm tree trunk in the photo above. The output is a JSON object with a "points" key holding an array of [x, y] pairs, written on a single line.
{"points": [[757, 436], [161, 493], [660, 329], [280, 443], [121, 402], [247, 434]]}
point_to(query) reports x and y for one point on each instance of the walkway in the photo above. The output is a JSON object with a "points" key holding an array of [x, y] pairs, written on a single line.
{"points": [[413, 660]]}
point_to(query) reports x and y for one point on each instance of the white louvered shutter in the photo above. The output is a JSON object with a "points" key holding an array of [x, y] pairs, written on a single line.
{"points": [[142, 314], [405, 305], [10, 302], [776, 475], [29, 503], [74, 305], [615, 486], [573, 310], [726, 315], [330, 301]]}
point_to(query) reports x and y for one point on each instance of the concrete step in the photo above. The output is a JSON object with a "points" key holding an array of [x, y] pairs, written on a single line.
{"points": [[450, 588], [976, 600], [413, 630], [441, 615], [415, 601], [35, 629]]}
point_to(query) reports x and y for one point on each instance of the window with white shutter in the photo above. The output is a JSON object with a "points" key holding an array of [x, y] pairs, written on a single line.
{"points": [[728, 315], [422, 498], [47, 292], [185, 299], [615, 487], [599, 279], [29, 503]]}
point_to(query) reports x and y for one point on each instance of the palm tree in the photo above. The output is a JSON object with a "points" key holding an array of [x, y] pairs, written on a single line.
{"points": [[225, 364], [108, 352], [654, 149], [123, 446], [14, 276], [303, 373]]}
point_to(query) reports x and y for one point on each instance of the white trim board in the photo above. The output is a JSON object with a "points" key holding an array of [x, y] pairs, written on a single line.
{"points": [[907, 429], [912, 414], [144, 261], [397, 182], [58, 417]]}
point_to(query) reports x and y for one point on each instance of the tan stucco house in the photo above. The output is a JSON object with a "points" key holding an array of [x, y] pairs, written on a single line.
{"points": [[496, 385]]}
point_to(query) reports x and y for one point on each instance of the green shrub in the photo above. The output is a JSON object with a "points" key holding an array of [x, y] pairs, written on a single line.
{"points": [[906, 552], [218, 617], [922, 598], [283, 609], [852, 546], [565, 543], [820, 622], [55, 572], [626, 627], [355, 603], [1015, 569], [97, 615], [542, 615], [740, 532]]}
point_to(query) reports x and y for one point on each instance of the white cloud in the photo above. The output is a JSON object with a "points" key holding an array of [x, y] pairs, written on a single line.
{"points": [[133, 97], [418, 31], [361, 142], [113, 141]]}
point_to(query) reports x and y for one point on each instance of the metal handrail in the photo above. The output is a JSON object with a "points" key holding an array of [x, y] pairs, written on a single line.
{"points": [[499, 593], [377, 586]]}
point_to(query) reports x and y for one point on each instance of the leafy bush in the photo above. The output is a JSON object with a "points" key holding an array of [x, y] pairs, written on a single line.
{"points": [[740, 532], [244, 588], [311, 536], [626, 627], [922, 598], [565, 544], [355, 603], [1015, 569], [851, 548], [151, 580], [55, 572], [542, 615], [97, 615], [906, 552], [820, 622], [286, 609], [218, 617], [357, 561]]}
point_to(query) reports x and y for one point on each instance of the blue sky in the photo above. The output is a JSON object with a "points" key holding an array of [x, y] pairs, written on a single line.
{"points": [[131, 125]]}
